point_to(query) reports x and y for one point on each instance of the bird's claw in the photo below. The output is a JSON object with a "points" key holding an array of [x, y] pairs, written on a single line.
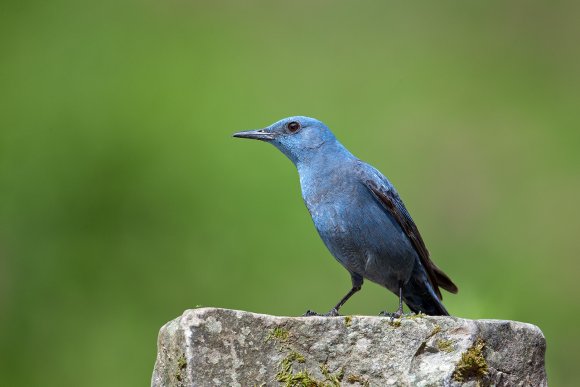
{"points": [[332, 313], [389, 314], [396, 315]]}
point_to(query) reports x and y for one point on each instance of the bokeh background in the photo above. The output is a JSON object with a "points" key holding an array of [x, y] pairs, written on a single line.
{"points": [[124, 200]]}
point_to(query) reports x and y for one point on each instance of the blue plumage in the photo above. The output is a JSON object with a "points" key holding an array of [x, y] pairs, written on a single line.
{"points": [[359, 216]]}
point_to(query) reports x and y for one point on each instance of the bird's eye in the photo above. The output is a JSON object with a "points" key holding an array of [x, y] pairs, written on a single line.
{"points": [[293, 126]]}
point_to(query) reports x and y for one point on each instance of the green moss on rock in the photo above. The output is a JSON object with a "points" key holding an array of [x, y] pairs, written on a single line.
{"points": [[303, 378], [436, 329], [347, 321], [472, 363], [414, 316], [333, 378], [181, 366], [278, 334], [352, 379], [445, 345]]}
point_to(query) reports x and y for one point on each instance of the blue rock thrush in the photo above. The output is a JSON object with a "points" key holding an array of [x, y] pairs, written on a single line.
{"points": [[359, 216]]}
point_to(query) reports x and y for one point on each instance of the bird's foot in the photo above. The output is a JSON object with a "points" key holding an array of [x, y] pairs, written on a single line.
{"points": [[396, 315], [390, 314], [333, 313]]}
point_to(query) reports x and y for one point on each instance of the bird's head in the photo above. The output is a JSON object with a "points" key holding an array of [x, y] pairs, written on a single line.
{"points": [[297, 137]]}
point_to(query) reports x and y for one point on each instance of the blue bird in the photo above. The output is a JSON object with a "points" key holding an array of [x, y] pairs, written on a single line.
{"points": [[359, 216]]}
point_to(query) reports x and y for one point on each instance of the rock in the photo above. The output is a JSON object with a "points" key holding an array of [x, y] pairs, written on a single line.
{"points": [[220, 347]]}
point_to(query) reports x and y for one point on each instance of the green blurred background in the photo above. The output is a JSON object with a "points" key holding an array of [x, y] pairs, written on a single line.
{"points": [[124, 200]]}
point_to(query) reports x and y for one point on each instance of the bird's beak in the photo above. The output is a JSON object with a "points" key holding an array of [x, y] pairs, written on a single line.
{"points": [[259, 134]]}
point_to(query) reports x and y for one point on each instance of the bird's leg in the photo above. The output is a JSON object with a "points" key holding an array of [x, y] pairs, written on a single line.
{"points": [[399, 311], [357, 282], [334, 311]]}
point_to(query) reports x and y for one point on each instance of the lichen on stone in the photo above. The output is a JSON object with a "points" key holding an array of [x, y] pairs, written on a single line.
{"points": [[278, 334], [347, 321], [472, 363], [352, 379], [286, 363], [436, 329], [286, 374], [414, 316], [333, 378], [445, 345], [303, 378], [181, 365], [395, 323], [181, 362]]}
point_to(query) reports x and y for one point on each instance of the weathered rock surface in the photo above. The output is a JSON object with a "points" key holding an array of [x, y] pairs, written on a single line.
{"points": [[220, 347]]}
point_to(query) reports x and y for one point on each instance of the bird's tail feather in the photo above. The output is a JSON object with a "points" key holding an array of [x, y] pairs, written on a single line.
{"points": [[419, 296], [444, 281]]}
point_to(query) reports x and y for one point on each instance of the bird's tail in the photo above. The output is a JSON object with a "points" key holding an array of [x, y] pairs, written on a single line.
{"points": [[419, 295]]}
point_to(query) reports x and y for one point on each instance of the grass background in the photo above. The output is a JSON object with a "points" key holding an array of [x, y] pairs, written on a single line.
{"points": [[124, 200]]}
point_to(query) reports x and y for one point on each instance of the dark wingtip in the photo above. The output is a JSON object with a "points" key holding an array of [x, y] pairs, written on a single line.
{"points": [[444, 281]]}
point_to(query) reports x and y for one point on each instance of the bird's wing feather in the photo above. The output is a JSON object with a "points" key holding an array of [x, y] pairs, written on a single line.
{"points": [[386, 194]]}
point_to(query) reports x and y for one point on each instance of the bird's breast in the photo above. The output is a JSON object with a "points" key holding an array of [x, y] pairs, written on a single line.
{"points": [[359, 233]]}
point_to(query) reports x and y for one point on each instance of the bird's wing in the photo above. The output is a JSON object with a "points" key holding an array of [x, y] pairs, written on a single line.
{"points": [[386, 194]]}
